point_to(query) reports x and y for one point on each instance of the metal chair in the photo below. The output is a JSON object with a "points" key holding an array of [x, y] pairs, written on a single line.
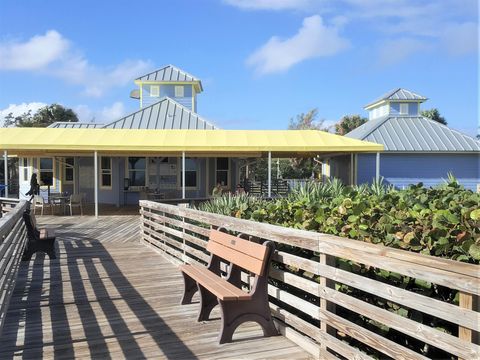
{"points": [[76, 201], [39, 201]]}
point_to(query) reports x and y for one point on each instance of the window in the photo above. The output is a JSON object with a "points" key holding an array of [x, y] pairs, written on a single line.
{"points": [[25, 169], [106, 172], [46, 171], [403, 109], [222, 171], [190, 173], [136, 170], [179, 91], [69, 170], [154, 90]]}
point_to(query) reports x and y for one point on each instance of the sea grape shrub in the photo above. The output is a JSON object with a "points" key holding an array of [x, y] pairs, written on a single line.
{"points": [[441, 221]]}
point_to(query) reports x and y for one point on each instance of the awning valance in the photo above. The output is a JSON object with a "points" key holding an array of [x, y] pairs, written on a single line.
{"points": [[21, 140]]}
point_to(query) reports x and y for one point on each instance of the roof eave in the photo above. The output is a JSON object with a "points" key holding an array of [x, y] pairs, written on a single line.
{"points": [[374, 104]]}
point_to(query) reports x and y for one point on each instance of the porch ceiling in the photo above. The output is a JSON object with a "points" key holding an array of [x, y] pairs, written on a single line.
{"points": [[204, 142]]}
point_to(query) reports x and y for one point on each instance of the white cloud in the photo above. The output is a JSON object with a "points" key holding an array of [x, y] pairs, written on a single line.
{"points": [[396, 50], [461, 39], [36, 53], [54, 55], [102, 116], [96, 81], [313, 39], [19, 109], [269, 4]]}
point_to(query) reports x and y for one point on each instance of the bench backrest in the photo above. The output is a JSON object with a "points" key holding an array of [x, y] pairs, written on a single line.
{"points": [[30, 223], [245, 254]]}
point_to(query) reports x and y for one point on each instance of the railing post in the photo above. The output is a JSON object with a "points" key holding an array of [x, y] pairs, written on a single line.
{"points": [[325, 305], [470, 302]]}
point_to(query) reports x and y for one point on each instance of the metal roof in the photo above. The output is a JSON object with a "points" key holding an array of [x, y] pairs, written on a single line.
{"points": [[200, 142], [74, 125], [164, 114], [170, 73], [414, 133], [398, 94]]}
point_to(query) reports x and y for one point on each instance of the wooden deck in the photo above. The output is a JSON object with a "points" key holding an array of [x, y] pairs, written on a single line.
{"points": [[108, 296]]}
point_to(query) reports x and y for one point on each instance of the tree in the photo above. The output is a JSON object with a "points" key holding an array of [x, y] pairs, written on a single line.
{"points": [[42, 118], [307, 121], [434, 114], [348, 123], [302, 168]]}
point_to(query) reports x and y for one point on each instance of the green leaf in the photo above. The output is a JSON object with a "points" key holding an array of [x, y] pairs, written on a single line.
{"points": [[474, 251], [423, 284], [475, 215], [352, 218]]}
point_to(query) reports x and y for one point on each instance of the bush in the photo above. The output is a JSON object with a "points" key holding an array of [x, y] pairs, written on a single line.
{"points": [[441, 221]]}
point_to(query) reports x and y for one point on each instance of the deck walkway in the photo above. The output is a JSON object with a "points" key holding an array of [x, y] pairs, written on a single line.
{"points": [[108, 296]]}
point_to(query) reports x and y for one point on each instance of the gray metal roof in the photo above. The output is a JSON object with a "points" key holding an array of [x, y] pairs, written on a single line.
{"points": [[399, 94], [169, 73], [414, 133], [164, 114], [74, 125]]}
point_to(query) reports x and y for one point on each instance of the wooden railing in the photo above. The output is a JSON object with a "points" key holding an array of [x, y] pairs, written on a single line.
{"points": [[7, 204], [305, 298], [13, 237]]}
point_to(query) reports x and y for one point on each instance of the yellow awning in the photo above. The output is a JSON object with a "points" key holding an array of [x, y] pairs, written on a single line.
{"points": [[29, 140]]}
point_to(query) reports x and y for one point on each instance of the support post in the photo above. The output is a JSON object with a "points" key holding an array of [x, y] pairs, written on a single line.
{"points": [[183, 174], [95, 166], [377, 167], [269, 174], [5, 169], [352, 169], [355, 169]]}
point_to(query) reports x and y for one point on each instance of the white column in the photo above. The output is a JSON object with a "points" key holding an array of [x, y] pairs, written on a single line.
{"points": [[355, 170], [5, 169], [377, 167], [95, 170], [352, 169], [183, 174], [269, 174]]}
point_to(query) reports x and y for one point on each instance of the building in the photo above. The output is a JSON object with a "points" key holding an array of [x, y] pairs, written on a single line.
{"points": [[416, 149], [164, 150]]}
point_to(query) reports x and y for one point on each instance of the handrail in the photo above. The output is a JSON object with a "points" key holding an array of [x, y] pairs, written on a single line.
{"points": [[305, 289], [7, 204], [13, 237]]}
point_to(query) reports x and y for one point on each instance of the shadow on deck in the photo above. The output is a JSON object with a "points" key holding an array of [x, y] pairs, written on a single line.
{"points": [[108, 296]]}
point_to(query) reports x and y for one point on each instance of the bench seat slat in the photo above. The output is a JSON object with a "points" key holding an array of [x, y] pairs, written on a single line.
{"points": [[218, 286], [46, 234]]}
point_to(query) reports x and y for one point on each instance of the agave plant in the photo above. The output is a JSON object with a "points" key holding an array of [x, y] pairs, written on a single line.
{"points": [[238, 205]]}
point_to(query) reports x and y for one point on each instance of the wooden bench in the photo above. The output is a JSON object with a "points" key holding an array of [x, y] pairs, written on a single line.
{"points": [[237, 306], [38, 240]]}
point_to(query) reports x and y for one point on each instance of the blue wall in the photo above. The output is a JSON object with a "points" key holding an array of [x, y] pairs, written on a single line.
{"points": [[168, 90], [402, 170], [412, 108]]}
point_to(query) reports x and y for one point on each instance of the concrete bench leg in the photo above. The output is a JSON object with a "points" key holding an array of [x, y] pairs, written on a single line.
{"points": [[207, 302], [189, 290], [47, 246], [235, 313]]}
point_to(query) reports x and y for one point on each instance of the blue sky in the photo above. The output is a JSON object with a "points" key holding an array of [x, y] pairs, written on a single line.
{"points": [[261, 61]]}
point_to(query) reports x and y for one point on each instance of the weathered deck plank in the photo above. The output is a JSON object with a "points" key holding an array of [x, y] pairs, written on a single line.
{"points": [[107, 296]]}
